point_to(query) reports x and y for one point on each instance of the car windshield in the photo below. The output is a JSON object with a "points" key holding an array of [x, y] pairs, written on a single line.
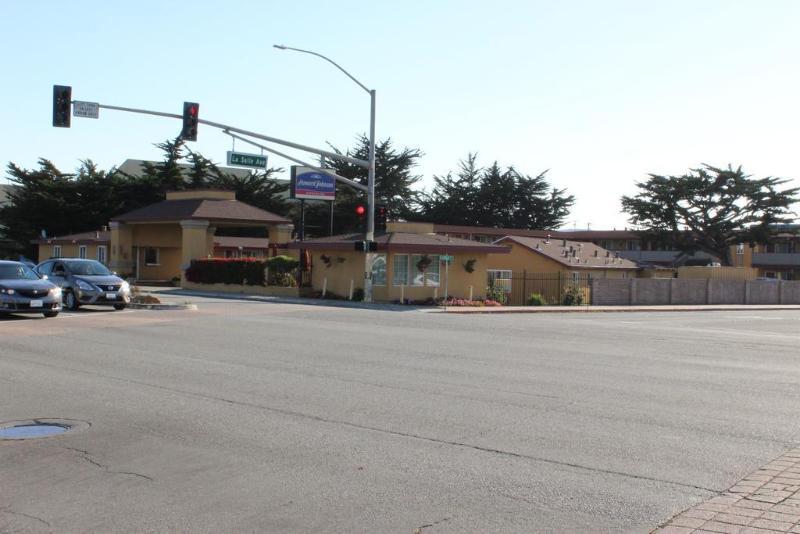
{"points": [[88, 268], [16, 271]]}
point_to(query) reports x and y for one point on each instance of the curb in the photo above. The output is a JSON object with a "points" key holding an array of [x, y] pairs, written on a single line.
{"points": [[589, 309], [173, 307]]}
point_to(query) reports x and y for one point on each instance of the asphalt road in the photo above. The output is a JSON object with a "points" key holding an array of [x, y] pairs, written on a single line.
{"points": [[247, 416]]}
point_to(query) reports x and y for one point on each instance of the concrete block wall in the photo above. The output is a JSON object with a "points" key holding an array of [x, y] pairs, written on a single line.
{"points": [[664, 291]]}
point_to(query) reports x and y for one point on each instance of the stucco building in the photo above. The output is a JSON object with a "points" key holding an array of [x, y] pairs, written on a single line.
{"points": [[159, 241]]}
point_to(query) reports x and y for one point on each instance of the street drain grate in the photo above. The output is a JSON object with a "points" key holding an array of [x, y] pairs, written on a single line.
{"points": [[37, 428]]}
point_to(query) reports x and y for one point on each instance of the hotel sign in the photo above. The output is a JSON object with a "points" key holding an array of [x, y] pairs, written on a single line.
{"points": [[310, 183]]}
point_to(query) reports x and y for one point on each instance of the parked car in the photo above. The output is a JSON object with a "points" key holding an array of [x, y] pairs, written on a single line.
{"points": [[23, 291], [86, 282]]}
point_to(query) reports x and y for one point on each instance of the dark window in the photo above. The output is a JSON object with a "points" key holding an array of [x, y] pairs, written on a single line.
{"points": [[151, 256], [45, 268]]}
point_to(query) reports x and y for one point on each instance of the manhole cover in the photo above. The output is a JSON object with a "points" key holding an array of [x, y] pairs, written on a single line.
{"points": [[38, 428]]}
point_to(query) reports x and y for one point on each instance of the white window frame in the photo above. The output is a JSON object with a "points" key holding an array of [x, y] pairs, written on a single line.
{"points": [[82, 250], [57, 251], [385, 270], [158, 257], [504, 277], [404, 281], [102, 258]]}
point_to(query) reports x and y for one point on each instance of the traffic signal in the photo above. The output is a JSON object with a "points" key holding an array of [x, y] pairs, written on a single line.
{"points": [[366, 246], [361, 211], [381, 212], [191, 111], [62, 100]]}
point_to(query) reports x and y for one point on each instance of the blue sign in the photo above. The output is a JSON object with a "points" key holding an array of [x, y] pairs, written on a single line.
{"points": [[309, 183]]}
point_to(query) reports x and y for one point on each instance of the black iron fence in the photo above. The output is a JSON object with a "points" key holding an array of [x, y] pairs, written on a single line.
{"points": [[542, 289]]}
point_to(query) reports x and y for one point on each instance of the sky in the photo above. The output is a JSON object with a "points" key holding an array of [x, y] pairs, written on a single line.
{"points": [[601, 93]]}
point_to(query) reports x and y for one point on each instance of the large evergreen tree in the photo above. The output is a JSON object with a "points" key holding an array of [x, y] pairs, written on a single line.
{"points": [[710, 209], [496, 197], [394, 186]]}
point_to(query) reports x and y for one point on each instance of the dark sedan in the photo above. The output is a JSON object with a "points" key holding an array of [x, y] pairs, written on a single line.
{"points": [[22, 291]]}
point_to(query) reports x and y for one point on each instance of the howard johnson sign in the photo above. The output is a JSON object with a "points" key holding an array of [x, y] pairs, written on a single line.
{"points": [[309, 183]]}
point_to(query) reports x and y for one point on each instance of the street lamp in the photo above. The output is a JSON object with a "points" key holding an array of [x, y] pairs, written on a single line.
{"points": [[370, 169]]}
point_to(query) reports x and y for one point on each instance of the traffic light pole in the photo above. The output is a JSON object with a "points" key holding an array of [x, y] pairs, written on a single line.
{"points": [[298, 146], [369, 258]]}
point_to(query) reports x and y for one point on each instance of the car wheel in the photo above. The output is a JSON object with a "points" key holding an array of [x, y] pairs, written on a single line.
{"points": [[50, 314], [70, 301], [120, 306]]}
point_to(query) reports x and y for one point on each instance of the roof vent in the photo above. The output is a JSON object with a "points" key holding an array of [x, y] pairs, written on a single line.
{"points": [[547, 241], [563, 242], [608, 254], [595, 253]]}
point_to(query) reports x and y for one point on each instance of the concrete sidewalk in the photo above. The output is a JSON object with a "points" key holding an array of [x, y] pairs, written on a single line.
{"points": [[597, 309], [171, 293], [766, 501]]}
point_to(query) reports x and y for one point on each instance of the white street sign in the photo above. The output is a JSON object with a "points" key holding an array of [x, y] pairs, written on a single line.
{"points": [[89, 110]]}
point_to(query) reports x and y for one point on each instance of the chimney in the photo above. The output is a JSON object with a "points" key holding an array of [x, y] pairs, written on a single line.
{"points": [[595, 253], [563, 242]]}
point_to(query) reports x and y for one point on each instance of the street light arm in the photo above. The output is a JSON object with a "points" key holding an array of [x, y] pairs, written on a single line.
{"points": [[283, 47]]}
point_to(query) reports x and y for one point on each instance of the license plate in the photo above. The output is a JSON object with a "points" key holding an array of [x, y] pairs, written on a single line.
{"points": [[111, 296], [36, 304]]}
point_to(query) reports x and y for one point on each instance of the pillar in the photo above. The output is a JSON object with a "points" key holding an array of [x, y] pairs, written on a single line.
{"points": [[121, 254], [194, 242]]}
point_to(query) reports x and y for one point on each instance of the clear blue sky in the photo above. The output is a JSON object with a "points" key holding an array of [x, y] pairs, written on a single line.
{"points": [[600, 93]]}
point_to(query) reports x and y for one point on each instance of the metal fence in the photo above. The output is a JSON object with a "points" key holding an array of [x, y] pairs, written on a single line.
{"points": [[552, 289]]}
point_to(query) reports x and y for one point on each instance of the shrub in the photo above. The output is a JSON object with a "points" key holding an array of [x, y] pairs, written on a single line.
{"points": [[358, 294], [496, 293], [282, 271], [227, 271], [537, 299], [573, 296]]}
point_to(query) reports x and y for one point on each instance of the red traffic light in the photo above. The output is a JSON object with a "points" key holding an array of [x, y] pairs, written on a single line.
{"points": [[361, 210]]}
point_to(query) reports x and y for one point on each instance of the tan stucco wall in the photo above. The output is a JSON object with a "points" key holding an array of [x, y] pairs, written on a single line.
{"points": [[121, 248], [169, 264], [340, 274], [726, 273], [523, 259]]}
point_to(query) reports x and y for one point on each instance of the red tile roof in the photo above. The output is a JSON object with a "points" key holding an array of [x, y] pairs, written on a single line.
{"points": [[204, 209]]}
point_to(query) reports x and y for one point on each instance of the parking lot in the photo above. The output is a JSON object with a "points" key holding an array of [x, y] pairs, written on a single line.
{"points": [[249, 416]]}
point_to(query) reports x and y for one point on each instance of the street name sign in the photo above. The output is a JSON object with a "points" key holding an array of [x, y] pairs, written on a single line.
{"points": [[241, 159], [89, 110]]}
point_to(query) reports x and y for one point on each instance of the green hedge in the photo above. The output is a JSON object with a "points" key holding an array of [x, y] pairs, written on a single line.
{"points": [[227, 271], [245, 271]]}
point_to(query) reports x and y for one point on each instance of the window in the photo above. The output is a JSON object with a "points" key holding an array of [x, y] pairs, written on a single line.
{"points": [[45, 268], [151, 256], [400, 270], [101, 254], [771, 274], [499, 278], [576, 277], [82, 252], [432, 272], [379, 270], [56, 251], [417, 278]]}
